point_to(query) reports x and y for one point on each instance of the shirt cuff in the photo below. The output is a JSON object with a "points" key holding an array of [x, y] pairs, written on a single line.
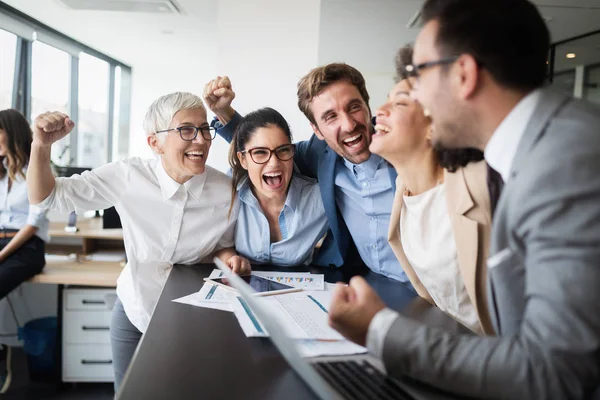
{"points": [[48, 201], [378, 330], [36, 216]]}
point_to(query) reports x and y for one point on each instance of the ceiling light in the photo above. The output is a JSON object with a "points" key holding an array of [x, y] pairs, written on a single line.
{"points": [[571, 55]]}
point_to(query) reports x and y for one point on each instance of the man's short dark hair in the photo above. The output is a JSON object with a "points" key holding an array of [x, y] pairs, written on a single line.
{"points": [[507, 37]]}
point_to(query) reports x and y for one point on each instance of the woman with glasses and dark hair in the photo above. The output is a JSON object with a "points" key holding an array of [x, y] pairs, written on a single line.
{"points": [[441, 219], [174, 209], [281, 216], [23, 227]]}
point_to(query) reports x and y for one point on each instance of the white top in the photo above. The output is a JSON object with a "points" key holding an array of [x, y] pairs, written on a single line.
{"points": [[429, 245], [499, 154], [164, 222], [15, 210], [502, 147]]}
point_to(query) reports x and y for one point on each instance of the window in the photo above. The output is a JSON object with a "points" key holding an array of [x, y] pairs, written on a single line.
{"points": [[50, 89], [93, 118], [43, 70], [8, 50]]}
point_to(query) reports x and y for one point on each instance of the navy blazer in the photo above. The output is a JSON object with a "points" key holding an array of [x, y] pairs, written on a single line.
{"points": [[315, 159]]}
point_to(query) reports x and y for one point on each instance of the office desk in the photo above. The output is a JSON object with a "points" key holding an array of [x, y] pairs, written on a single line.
{"points": [[190, 352]]}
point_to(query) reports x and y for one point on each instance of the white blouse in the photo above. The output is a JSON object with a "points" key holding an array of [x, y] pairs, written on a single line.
{"points": [[15, 210], [164, 222], [429, 245]]}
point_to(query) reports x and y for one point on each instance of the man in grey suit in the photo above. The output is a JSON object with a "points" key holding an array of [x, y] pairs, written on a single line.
{"points": [[478, 68]]}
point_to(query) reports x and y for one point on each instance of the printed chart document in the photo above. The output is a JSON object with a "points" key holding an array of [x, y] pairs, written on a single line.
{"points": [[303, 315], [210, 296], [303, 280], [213, 296]]}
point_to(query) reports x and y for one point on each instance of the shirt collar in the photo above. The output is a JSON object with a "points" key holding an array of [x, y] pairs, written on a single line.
{"points": [[291, 200], [370, 166], [502, 147], [168, 186]]}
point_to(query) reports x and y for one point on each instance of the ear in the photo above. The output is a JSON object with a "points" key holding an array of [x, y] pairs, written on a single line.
{"points": [[155, 144], [242, 159], [468, 76], [317, 131]]}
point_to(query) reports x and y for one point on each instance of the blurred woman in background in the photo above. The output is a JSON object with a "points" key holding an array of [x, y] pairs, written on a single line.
{"points": [[23, 227]]}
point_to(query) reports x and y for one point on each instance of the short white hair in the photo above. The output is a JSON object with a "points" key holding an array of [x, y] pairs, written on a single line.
{"points": [[161, 111]]}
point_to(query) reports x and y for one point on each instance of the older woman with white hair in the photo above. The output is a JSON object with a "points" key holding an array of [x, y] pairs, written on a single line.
{"points": [[174, 209]]}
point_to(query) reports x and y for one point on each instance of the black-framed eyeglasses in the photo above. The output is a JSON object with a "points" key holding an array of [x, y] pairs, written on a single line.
{"points": [[262, 155], [413, 70], [189, 133]]}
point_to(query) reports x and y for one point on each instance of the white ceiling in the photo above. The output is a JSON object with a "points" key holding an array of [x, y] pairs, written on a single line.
{"points": [[120, 34]]}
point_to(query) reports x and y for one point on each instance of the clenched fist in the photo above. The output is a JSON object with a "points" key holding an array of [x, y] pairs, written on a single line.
{"points": [[218, 96], [51, 127]]}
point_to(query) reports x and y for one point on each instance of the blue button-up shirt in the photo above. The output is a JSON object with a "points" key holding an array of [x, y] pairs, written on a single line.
{"points": [[364, 195], [302, 222], [15, 210]]}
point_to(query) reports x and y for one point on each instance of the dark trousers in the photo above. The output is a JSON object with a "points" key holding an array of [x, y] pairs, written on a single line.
{"points": [[21, 265]]}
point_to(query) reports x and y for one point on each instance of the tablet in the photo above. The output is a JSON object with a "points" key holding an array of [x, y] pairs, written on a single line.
{"points": [[263, 286]]}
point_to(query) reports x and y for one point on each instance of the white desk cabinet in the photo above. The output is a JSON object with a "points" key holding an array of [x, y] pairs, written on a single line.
{"points": [[86, 351]]}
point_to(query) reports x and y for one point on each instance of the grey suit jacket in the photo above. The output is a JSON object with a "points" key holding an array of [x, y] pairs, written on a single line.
{"points": [[543, 277]]}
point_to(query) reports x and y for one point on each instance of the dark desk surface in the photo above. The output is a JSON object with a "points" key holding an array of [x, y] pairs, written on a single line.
{"points": [[191, 352]]}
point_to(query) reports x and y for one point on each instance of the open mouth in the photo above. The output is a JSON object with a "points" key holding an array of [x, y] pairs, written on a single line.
{"points": [[274, 180], [381, 129], [354, 141], [196, 155]]}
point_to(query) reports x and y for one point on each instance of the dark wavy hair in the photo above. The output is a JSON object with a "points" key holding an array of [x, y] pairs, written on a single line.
{"points": [[260, 118], [449, 159], [18, 142]]}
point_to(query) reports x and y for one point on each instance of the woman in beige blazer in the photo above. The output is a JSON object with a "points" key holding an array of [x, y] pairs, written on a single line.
{"points": [[441, 205]]}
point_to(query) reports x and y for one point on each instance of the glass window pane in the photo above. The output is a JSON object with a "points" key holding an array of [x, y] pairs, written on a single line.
{"points": [[50, 86], [92, 139], [8, 50], [591, 83]]}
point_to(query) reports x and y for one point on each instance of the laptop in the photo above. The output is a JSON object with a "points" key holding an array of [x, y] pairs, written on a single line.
{"points": [[348, 378]]}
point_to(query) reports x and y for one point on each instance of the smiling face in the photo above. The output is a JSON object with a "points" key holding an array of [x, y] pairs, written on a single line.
{"points": [[343, 120], [270, 180], [401, 128], [182, 159]]}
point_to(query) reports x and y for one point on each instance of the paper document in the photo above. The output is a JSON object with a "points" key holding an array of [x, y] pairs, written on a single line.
{"points": [[304, 280], [210, 296], [303, 315], [317, 348], [195, 300]]}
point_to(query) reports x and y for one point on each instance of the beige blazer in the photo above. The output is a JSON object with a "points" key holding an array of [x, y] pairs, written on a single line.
{"points": [[469, 207]]}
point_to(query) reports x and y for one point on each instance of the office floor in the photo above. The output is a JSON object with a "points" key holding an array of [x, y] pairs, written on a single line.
{"points": [[22, 388]]}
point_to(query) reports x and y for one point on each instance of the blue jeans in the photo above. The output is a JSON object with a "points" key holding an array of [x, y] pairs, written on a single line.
{"points": [[124, 338]]}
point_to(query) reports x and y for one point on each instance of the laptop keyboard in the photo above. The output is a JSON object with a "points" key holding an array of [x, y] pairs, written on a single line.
{"points": [[357, 380]]}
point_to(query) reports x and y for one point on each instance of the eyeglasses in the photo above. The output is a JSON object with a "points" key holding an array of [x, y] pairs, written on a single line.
{"points": [[189, 133], [262, 155], [413, 71]]}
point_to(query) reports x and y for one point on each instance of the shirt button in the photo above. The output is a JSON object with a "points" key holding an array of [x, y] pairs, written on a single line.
{"points": [[374, 246], [365, 184], [372, 218]]}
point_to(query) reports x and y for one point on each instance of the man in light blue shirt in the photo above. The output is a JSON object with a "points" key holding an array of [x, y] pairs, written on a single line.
{"points": [[357, 188]]}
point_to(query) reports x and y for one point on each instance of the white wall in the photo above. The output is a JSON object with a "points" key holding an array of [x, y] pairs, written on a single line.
{"points": [[264, 54], [366, 34]]}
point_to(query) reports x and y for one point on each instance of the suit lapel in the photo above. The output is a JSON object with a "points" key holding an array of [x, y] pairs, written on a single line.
{"points": [[550, 102], [466, 231], [326, 175], [395, 240]]}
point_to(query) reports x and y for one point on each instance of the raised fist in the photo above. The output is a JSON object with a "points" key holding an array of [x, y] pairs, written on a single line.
{"points": [[50, 127]]}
